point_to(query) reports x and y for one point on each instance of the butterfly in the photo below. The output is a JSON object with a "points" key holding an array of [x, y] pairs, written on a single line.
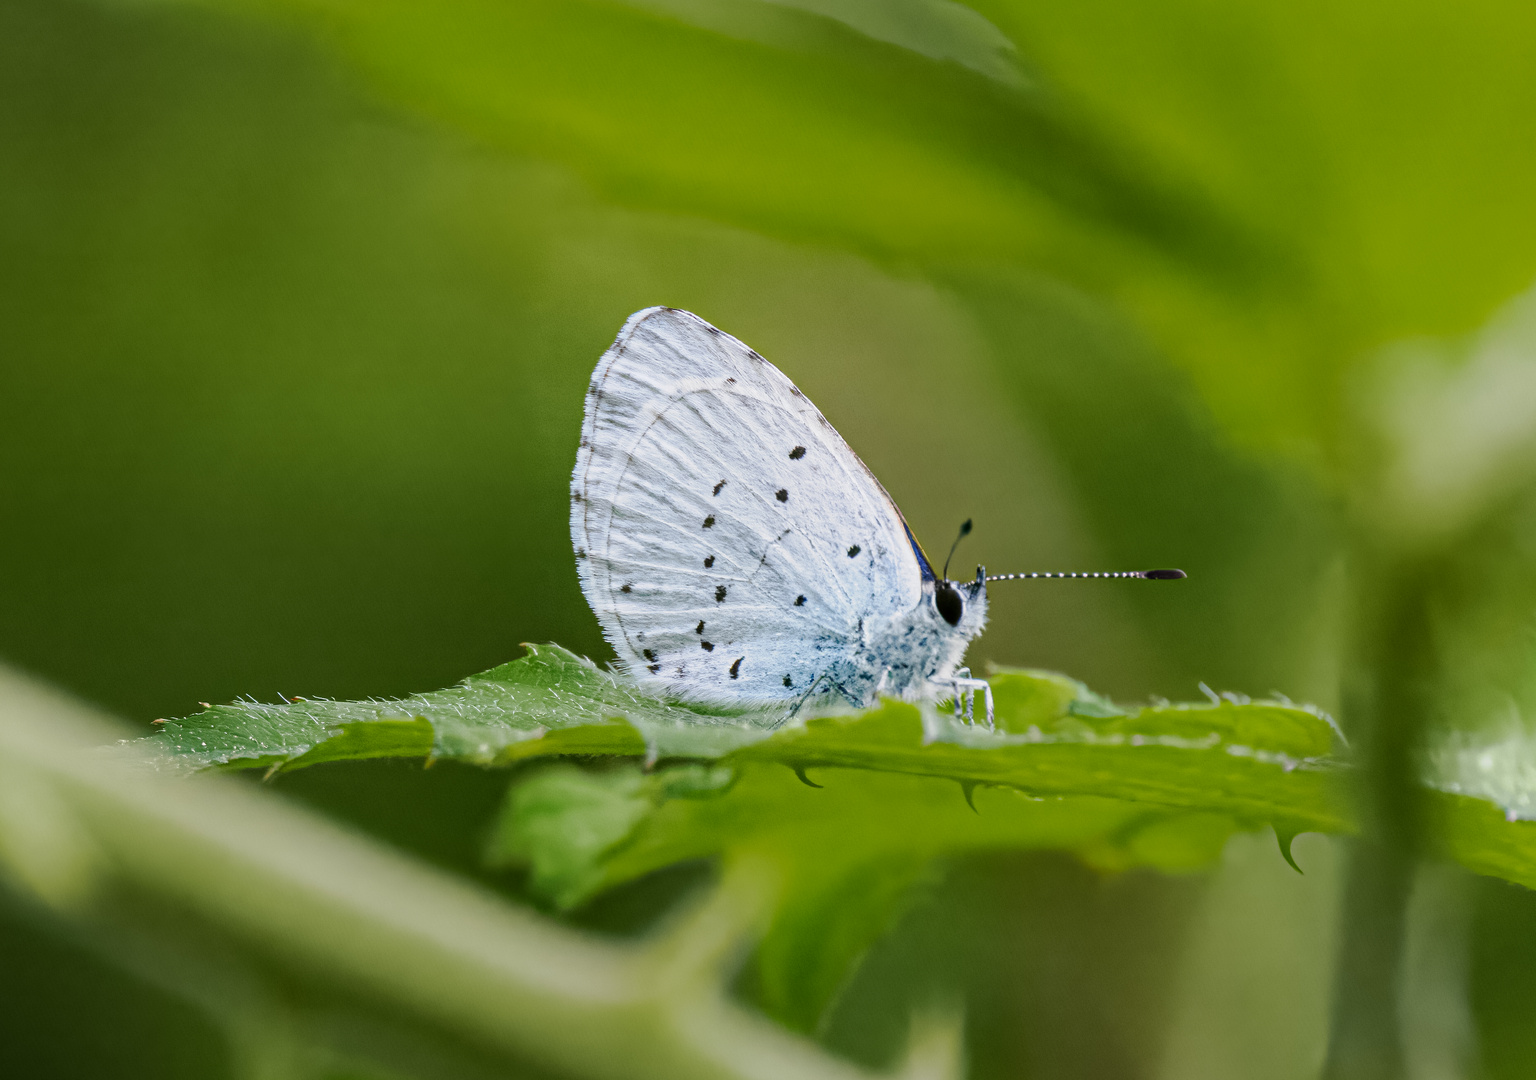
{"points": [[735, 549]]}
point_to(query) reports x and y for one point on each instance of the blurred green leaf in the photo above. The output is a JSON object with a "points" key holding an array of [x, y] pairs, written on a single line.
{"points": [[1482, 802], [814, 125], [564, 825], [1484, 837], [313, 950], [769, 114], [850, 853], [832, 910], [1271, 191]]}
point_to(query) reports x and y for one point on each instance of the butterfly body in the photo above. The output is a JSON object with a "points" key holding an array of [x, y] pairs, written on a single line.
{"points": [[911, 655], [735, 549]]}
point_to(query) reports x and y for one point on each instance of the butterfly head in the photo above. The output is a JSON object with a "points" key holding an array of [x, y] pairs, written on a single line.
{"points": [[962, 604]]}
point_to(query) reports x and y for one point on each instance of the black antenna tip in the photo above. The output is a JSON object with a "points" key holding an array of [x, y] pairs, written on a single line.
{"points": [[1163, 575], [965, 530]]}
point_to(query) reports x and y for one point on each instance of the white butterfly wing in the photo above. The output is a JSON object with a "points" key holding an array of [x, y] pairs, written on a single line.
{"points": [[731, 543]]}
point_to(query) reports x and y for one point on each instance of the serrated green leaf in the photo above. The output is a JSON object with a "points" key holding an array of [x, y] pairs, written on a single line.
{"points": [[888, 791], [361, 740], [1256, 761], [899, 786], [549, 703], [1038, 699]]}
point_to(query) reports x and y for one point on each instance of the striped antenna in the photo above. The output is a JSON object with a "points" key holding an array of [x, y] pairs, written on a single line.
{"points": [[1149, 575]]}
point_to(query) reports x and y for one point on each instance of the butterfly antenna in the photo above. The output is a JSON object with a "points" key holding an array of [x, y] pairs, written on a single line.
{"points": [[1149, 575], [965, 530]]}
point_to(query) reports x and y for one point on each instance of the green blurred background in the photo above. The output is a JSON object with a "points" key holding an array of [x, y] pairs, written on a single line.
{"points": [[297, 302]]}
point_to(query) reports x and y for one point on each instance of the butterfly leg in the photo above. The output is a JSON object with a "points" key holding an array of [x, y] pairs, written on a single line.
{"points": [[847, 695], [965, 689], [954, 690], [832, 685], [809, 692], [965, 697]]}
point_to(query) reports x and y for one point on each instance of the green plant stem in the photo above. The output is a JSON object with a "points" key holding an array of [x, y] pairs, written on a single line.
{"points": [[1386, 710], [73, 818]]}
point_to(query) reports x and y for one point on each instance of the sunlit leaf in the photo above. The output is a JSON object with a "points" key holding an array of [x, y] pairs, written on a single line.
{"points": [[550, 702], [1271, 192], [1053, 736]]}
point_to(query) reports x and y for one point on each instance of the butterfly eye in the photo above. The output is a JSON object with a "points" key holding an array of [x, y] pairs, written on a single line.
{"points": [[947, 599]]}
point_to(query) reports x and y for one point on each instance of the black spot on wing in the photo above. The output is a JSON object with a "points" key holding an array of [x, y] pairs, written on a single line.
{"points": [[720, 594], [709, 562], [782, 495], [700, 628], [626, 587], [649, 654], [736, 667], [653, 668], [795, 455], [718, 486], [799, 601], [788, 681], [854, 550], [709, 522], [707, 646]]}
